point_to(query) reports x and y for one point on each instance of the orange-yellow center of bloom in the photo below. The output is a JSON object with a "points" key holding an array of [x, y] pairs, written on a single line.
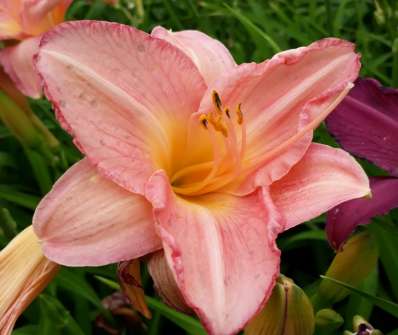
{"points": [[226, 133]]}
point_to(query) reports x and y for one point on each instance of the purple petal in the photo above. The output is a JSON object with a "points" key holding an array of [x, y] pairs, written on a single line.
{"points": [[343, 219], [366, 124]]}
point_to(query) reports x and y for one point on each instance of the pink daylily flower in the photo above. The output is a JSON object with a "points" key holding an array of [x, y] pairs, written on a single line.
{"points": [[188, 152], [26, 21], [366, 125]]}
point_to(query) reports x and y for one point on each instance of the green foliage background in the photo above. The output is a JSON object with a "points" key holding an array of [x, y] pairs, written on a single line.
{"points": [[253, 30]]}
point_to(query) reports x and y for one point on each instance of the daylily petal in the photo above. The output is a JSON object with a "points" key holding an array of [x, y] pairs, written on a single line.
{"points": [[164, 282], [18, 63], [24, 273], [324, 178], [210, 56], [88, 220], [285, 98], [366, 124], [343, 219], [220, 248], [40, 16], [126, 109]]}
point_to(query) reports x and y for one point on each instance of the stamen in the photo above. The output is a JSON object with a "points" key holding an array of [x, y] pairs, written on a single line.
{"points": [[224, 179], [239, 114], [217, 101], [220, 126], [203, 120], [233, 142], [226, 165], [227, 113]]}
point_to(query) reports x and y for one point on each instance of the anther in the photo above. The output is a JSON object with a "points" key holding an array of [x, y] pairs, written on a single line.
{"points": [[227, 113], [217, 101], [239, 114], [203, 120]]}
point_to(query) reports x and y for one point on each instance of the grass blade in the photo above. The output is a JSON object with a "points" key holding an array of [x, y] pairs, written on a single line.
{"points": [[386, 305], [253, 29], [8, 193]]}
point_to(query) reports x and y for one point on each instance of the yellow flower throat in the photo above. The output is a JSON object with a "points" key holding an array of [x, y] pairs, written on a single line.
{"points": [[227, 135]]}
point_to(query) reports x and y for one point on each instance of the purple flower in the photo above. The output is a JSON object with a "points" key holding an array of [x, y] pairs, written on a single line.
{"points": [[366, 124]]}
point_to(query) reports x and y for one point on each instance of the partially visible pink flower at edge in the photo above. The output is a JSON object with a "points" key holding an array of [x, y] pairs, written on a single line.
{"points": [[366, 125], [188, 152], [24, 21]]}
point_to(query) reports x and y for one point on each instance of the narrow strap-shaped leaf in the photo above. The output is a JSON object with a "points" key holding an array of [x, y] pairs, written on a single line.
{"points": [[386, 305]]}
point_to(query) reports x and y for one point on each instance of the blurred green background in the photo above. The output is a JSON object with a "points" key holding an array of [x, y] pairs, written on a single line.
{"points": [[253, 30]]}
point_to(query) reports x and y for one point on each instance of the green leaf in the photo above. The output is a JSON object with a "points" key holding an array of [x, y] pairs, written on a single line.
{"points": [[110, 283], [7, 224], [296, 240], [394, 332], [359, 305], [7, 160], [55, 319], [95, 10], [26, 200], [189, 324], [40, 170], [27, 330], [253, 29], [73, 280], [386, 234], [338, 21], [386, 305]]}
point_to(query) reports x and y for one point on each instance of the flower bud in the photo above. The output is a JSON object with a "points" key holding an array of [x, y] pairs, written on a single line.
{"points": [[17, 121], [24, 273], [327, 321], [362, 327], [165, 284], [379, 14], [130, 283], [19, 118], [351, 265], [287, 312]]}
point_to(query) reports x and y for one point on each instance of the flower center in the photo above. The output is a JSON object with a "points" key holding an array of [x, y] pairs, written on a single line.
{"points": [[227, 135]]}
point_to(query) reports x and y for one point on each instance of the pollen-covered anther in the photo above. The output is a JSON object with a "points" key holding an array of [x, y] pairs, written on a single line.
{"points": [[220, 117], [239, 114], [203, 120], [217, 102]]}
